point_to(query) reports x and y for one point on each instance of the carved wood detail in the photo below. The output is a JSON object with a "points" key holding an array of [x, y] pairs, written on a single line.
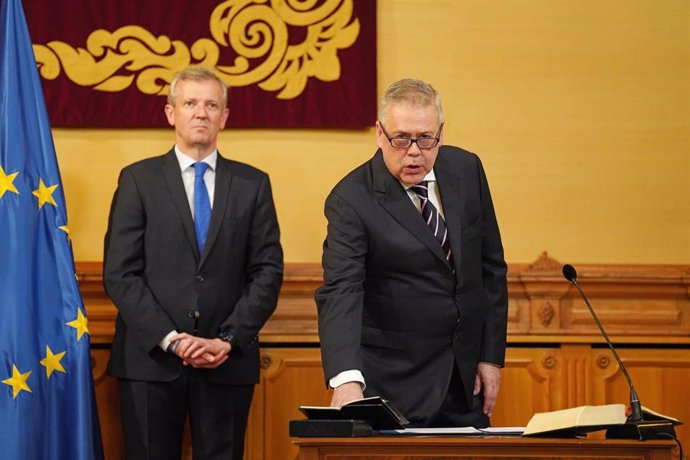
{"points": [[546, 314], [576, 374], [603, 361], [548, 361], [631, 300]]}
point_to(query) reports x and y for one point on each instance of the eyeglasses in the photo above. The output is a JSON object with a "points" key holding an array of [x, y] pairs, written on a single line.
{"points": [[402, 142]]}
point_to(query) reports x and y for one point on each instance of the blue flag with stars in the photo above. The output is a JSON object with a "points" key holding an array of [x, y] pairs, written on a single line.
{"points": [[47, 403]]}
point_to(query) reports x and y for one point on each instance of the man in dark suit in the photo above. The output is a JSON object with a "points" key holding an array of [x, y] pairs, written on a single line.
{"points": [[193, 264], [414, 302]]}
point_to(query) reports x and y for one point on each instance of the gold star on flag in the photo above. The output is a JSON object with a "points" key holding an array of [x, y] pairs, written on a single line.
{"points": [[52, 362], [18, 381], [44, 194], [65, 229], [6, 182], [81, 324]]}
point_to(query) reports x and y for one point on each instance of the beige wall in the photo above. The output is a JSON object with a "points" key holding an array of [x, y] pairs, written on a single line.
{"points": [[580, 110]]}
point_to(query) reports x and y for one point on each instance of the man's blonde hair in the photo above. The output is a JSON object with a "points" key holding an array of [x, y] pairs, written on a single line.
{"points": [[409, 90], [196, 73]]}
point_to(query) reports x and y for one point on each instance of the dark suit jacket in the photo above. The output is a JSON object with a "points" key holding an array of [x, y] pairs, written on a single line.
{"points": [[391, 305], [155, 276]]}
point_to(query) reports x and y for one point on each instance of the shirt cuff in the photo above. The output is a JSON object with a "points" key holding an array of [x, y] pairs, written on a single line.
{"points": [[347, 377], [165, 343]]}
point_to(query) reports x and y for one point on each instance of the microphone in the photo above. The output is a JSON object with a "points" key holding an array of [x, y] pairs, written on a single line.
{"points": [[570, 274], [636, 426]]}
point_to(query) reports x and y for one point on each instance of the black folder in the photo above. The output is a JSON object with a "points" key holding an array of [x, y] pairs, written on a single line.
{"points": [[379, 413]]}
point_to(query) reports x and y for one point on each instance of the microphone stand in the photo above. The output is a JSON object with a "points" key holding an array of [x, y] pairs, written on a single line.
{"points": [[636, 427]]}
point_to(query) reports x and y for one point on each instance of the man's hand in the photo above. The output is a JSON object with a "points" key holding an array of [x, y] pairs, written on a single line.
{"points": [[488, 380], [200, 352], [346, 393]]}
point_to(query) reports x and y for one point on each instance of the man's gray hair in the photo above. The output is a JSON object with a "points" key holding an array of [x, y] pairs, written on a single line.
{"points": [[409, 90], [196, 73]]}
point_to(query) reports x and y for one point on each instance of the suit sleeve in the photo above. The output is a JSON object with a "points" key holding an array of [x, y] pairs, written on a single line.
{"points": [[340, 301], [264, 270], [494, 271], [123, 267]]}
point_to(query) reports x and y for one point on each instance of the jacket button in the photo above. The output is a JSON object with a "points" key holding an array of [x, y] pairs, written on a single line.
{"points": [[200, 278]]}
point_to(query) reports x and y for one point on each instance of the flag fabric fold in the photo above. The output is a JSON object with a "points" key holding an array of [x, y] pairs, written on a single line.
{"points": [[47, 403]]}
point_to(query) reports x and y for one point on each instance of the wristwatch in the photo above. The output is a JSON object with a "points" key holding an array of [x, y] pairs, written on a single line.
{"points": [[173, 346], [226, 335]]}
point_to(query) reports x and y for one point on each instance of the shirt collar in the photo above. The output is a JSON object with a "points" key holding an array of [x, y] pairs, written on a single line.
{"points": [[430, 177], [186, 161]]}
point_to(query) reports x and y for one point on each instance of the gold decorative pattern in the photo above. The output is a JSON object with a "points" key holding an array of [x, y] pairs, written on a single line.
{"points": [[257, 31]]}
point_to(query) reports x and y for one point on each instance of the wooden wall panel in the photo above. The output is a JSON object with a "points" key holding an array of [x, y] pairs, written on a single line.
{"points": [[530, 382], [631, 300], [555, 358], [629, 316], [290, 377], [635, 300], [661, 378]]}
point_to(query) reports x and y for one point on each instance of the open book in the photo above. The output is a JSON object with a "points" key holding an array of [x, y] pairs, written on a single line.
{"points": [[583, 419], [378, 412]]}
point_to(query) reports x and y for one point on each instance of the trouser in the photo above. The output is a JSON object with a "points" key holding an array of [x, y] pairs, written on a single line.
{"points": [[154, 414], [455, 412]]}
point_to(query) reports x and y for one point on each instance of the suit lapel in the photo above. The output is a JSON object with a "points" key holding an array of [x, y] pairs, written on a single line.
{"points": [[396, 202], [173, 180], [451, 200], [220, 203]]}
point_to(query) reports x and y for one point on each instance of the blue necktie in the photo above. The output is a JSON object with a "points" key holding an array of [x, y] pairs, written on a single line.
{"points": [[432, 217], [202, 204]]}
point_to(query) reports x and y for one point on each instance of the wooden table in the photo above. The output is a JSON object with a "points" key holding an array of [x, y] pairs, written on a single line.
{"points": [[448, 447]]}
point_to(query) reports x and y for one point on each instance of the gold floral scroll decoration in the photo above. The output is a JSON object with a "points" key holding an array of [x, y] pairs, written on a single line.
{"points": [[257, 31]]}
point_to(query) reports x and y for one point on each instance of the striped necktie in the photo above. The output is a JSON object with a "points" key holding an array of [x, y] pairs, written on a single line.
{"points": [[202, 204], [433, 217]]}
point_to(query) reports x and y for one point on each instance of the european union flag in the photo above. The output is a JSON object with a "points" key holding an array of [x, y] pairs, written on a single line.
{"points": [[47, 404]]}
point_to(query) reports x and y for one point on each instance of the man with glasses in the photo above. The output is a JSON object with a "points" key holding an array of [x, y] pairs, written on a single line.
{"points": [[414, 303]]}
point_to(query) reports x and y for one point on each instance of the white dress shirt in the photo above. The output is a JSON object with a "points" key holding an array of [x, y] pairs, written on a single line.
{"points": [[187, 170]]}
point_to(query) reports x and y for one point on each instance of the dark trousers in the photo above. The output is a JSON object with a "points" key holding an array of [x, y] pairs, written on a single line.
{"points": [[154, 413], [455, 412]]}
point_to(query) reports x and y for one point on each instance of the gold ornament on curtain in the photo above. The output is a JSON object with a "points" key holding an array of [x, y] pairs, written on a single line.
{"points": [[256, 30]]}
